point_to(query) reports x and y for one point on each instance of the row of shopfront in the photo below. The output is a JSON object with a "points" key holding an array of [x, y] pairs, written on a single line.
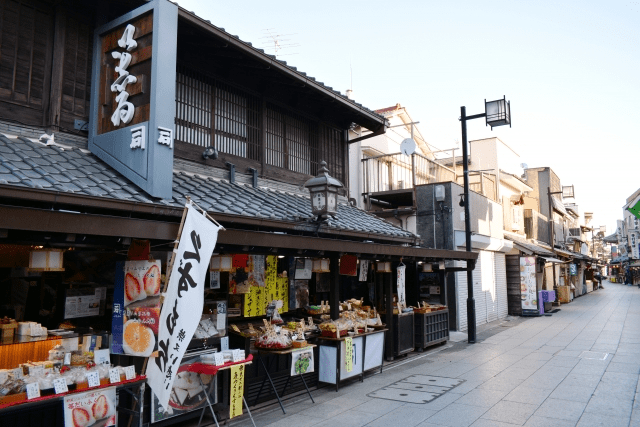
{"points": [[89, 224]]}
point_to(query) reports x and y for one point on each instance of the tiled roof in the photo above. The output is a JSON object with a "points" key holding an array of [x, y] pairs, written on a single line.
{"points": [[531, 247], [383, 111], [302, 74], [24, 163]]}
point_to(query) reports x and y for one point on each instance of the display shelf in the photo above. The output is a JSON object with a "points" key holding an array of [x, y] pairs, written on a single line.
{"points": [[403, 339], [431, 328]]}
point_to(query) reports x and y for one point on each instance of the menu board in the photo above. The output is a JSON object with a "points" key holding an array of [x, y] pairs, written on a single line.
{"points": [[528, 291]]}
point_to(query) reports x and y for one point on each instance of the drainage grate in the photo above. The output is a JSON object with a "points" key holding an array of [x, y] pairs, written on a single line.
{"points": [[593, 355], [416, 389]]}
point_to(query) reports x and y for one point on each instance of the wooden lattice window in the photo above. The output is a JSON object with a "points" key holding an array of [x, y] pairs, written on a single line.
{"points": [[25, 37]]}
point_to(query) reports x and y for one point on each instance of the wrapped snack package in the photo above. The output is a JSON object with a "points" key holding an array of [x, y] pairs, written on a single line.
{"points": [[273, 341]]}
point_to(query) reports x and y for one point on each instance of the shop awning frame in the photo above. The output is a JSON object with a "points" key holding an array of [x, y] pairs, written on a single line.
{"points": [[43, 220], [554, 260]]}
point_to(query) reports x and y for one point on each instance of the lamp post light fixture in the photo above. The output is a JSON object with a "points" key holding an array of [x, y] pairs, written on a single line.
{"points": [[324, 193], [496, 113]]}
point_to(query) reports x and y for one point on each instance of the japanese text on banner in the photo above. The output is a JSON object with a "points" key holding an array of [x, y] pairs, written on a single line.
{"points": [[237, 390], [183, 302]]}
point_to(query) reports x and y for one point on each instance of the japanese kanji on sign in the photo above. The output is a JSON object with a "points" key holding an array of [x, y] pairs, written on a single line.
{"points": [[183, 301]]}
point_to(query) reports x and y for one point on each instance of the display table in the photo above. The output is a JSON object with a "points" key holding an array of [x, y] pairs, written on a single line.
{"points": [[259, 352], [431, 328], [207, 369], [135, 387], [368, 350]]}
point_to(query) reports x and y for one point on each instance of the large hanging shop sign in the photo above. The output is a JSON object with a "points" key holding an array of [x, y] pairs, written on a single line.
{"points": [[183, 302], [133, 95]]}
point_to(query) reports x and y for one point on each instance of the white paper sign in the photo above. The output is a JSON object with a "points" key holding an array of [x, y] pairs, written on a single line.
{"points": [[364, 268], [101, 357], [93, 379], [17, 373], [33, 390], [224, 343], [221, 319], [183, 303], [35, 371], [4, 376], [114, 375], [237, 355], [130, 372], [402, 297], [60, 385], [218, 359]]}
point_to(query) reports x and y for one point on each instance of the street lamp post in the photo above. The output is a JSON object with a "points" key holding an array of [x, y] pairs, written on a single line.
{"points": [[496, 113]]}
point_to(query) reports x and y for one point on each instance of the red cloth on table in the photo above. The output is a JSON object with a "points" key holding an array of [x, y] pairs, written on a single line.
{"points": [[41, 398], [205, 368]]}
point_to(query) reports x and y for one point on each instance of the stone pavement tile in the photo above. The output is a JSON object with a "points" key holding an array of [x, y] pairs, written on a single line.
{"points": [[294, 420], [467, 386], [502, 384], [561, 409], [519, 373], [626, 358], [529, 364], [347, 419], [481, 422], [543, 381], [456, 415], [480, 373], [323, 410], [569, 353], [574, 393], [454, 370], [563, 361], [610, 406], [628, 348], [484, 398], [582, 380], [402, 416], [438, 403], [604, 348], [534, 396], [627, 380], [590, 419], [379, 406], [518, 352], [552, 349], [536, 421], [538, 356], [589, 369], [510, 412], [350, 400]]}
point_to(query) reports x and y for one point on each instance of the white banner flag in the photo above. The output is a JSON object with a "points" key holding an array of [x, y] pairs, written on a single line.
{"points": [[402, 299], [183, 301]]}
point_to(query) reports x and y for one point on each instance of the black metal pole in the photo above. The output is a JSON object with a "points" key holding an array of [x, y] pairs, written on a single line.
{"points": [[334, 290], [471, 302]]}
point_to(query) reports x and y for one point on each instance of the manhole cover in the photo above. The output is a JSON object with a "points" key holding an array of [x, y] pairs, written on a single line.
{"points": [[416, 389], [593, 355]]}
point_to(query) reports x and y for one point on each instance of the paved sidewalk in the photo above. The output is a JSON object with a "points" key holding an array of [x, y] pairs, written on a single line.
{"points": [[530, 374]]}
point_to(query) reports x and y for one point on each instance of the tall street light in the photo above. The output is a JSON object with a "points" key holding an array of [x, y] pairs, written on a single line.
{"points": [[496, 113]]}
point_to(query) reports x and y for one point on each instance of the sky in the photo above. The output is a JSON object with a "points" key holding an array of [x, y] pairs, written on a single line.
{"points": [[570, 69]]}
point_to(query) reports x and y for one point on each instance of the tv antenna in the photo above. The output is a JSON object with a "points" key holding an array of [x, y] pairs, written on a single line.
{"points": [[277, 42]]}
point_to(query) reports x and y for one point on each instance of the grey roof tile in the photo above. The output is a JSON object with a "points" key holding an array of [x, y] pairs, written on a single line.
{"points": [[72, 170]]}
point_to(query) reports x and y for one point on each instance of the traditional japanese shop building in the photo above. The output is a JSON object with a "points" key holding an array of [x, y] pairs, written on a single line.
{"points": [[132, 129]]}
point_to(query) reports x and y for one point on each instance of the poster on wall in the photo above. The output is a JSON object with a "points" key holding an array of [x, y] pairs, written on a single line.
{"points": [[94, 408], [136, 308], [528, 291], [186, 394]]}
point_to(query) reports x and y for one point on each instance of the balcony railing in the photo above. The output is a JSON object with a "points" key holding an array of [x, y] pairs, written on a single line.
{"points": [[397, 171]]}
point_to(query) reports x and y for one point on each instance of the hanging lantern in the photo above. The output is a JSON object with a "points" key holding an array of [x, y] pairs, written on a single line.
{"points": [[46, 260], [324, 193]]}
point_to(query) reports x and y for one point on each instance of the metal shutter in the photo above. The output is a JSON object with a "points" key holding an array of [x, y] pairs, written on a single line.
{"points": [[501, 284], [461, 288], [461, 277], [488, 285]]}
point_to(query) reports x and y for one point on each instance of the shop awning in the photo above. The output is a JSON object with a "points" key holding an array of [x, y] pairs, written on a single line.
{"points": [[554, 260], [527, 247], [559, 207], [566, 253]]}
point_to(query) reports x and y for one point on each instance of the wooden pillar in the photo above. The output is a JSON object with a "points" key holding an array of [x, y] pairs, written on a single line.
{"points": [[390, 336], [57, 68], [334, 291]]}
